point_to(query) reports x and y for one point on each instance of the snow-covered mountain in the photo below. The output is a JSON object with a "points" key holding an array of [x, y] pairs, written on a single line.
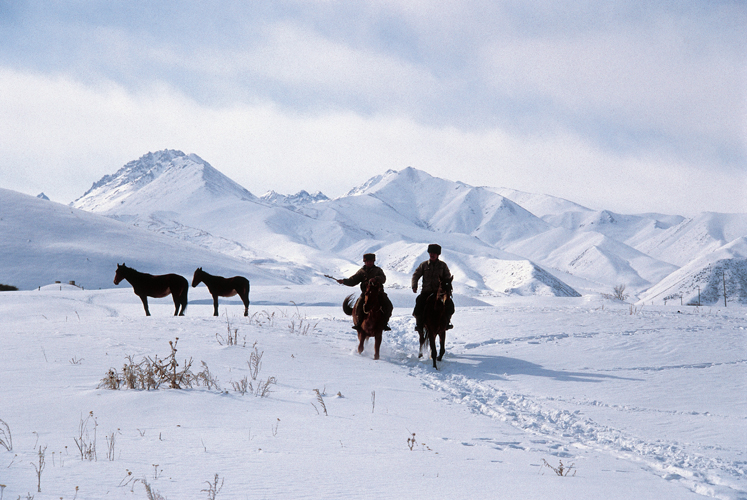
{"points": [[300, 198], [497, 241], [703, 280], [393, 218], [43, 242]]}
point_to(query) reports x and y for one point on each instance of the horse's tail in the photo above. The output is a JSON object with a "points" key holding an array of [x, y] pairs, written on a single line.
{"points": [[347, 305]]}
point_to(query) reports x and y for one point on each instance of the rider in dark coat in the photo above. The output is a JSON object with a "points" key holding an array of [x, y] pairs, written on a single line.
{"points": [[432, 271], [362, 276]]}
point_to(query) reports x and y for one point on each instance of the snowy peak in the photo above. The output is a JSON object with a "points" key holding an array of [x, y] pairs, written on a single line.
{"points": [[452, 207], [299, 199], [155, 175]]}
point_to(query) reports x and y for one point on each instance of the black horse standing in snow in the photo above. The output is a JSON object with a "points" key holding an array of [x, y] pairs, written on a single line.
{"points": [[218, 286], [147, 285]]}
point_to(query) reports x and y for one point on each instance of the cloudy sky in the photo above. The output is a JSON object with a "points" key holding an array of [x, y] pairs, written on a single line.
{"points": [[631, 106]]}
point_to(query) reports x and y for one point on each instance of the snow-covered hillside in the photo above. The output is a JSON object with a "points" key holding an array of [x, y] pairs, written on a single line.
{"points": [[705, 279], [43, 242]]}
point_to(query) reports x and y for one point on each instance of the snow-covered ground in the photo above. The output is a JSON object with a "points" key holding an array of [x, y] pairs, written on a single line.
{"points": [[642, 402]]}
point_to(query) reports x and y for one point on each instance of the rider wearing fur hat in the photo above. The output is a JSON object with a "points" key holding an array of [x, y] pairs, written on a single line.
{"points": [[369, 271], [432, 271]]}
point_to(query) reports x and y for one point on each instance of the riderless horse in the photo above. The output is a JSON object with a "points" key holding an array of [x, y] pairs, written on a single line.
{"points": [[373, 319], [147, 285], [218, 286], [436, 316]]}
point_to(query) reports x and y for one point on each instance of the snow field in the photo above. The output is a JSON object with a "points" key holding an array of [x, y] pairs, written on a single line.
{"points": [[645, 405]]}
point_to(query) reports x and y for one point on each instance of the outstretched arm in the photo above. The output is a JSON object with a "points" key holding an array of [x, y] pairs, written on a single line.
{"points": [[416, 276]]}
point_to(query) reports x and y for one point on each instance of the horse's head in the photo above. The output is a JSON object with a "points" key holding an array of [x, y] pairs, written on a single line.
{"points": [[445, 289], [197, 277], [372, 290], [120, 274]]}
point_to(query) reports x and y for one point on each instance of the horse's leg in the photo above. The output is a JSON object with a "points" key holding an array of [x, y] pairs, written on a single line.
{"points": [[185, 301], [442, 338], [177, 302], [422, 343], [144, 299], [245, 300], [215, 304], [361, 340], [377, 345], [432, 339]]}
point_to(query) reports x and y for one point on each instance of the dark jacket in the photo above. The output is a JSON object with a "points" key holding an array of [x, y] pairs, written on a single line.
{"points": [[431, 272], [363, 275]]}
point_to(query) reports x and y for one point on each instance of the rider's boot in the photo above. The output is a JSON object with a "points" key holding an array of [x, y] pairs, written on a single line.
{"points": [[419, 324]]}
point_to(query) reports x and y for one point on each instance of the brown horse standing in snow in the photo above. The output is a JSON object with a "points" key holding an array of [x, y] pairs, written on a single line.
{"points": [[374, 318], [218, 286], [147, 285], [436, 316]]}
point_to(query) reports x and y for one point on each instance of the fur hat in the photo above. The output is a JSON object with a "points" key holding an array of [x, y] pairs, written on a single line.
{"points": [[369, 256], [433, 248]]}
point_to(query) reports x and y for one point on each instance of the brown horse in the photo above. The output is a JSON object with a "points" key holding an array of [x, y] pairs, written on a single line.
{"points": [[373, 319], [146, 285], [218, 286], [436, 315]]}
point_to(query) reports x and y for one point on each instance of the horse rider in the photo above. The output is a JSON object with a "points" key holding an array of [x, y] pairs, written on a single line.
{"points": [[432, 271], [369, 271]]}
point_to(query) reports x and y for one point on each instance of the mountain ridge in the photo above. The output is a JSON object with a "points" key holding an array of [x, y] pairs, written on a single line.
{"points": [[483, 230]]}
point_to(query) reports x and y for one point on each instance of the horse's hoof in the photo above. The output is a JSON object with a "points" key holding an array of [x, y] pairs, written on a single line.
{"points": [[376, 357], [420, 355]]}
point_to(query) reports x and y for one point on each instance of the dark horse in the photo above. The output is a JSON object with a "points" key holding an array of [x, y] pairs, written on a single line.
{"points": [[374, 318], [146, 285], [436, 315], [218, 286]]}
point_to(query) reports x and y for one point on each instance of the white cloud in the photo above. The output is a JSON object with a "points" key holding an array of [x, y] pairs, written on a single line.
{"points": [[59, 136]]}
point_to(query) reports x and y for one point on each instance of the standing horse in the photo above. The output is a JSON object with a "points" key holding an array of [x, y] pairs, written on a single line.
{"points": [[146, 285], [218, 286], [374, 318], [436, 315]]}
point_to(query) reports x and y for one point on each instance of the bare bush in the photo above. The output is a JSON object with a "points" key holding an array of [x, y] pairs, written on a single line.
{"points": [[110, 440], [213, 487], [320, 400], [40, 467], [232, 335], [6, 440], [242, 386], [259, 388], [618, 293], [151, 493], [263, 318], [560, 470], [151, 373], [85, 443]]}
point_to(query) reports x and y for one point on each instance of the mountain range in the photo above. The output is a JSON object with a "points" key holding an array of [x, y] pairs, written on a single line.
{"points": [[172, 209]]}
